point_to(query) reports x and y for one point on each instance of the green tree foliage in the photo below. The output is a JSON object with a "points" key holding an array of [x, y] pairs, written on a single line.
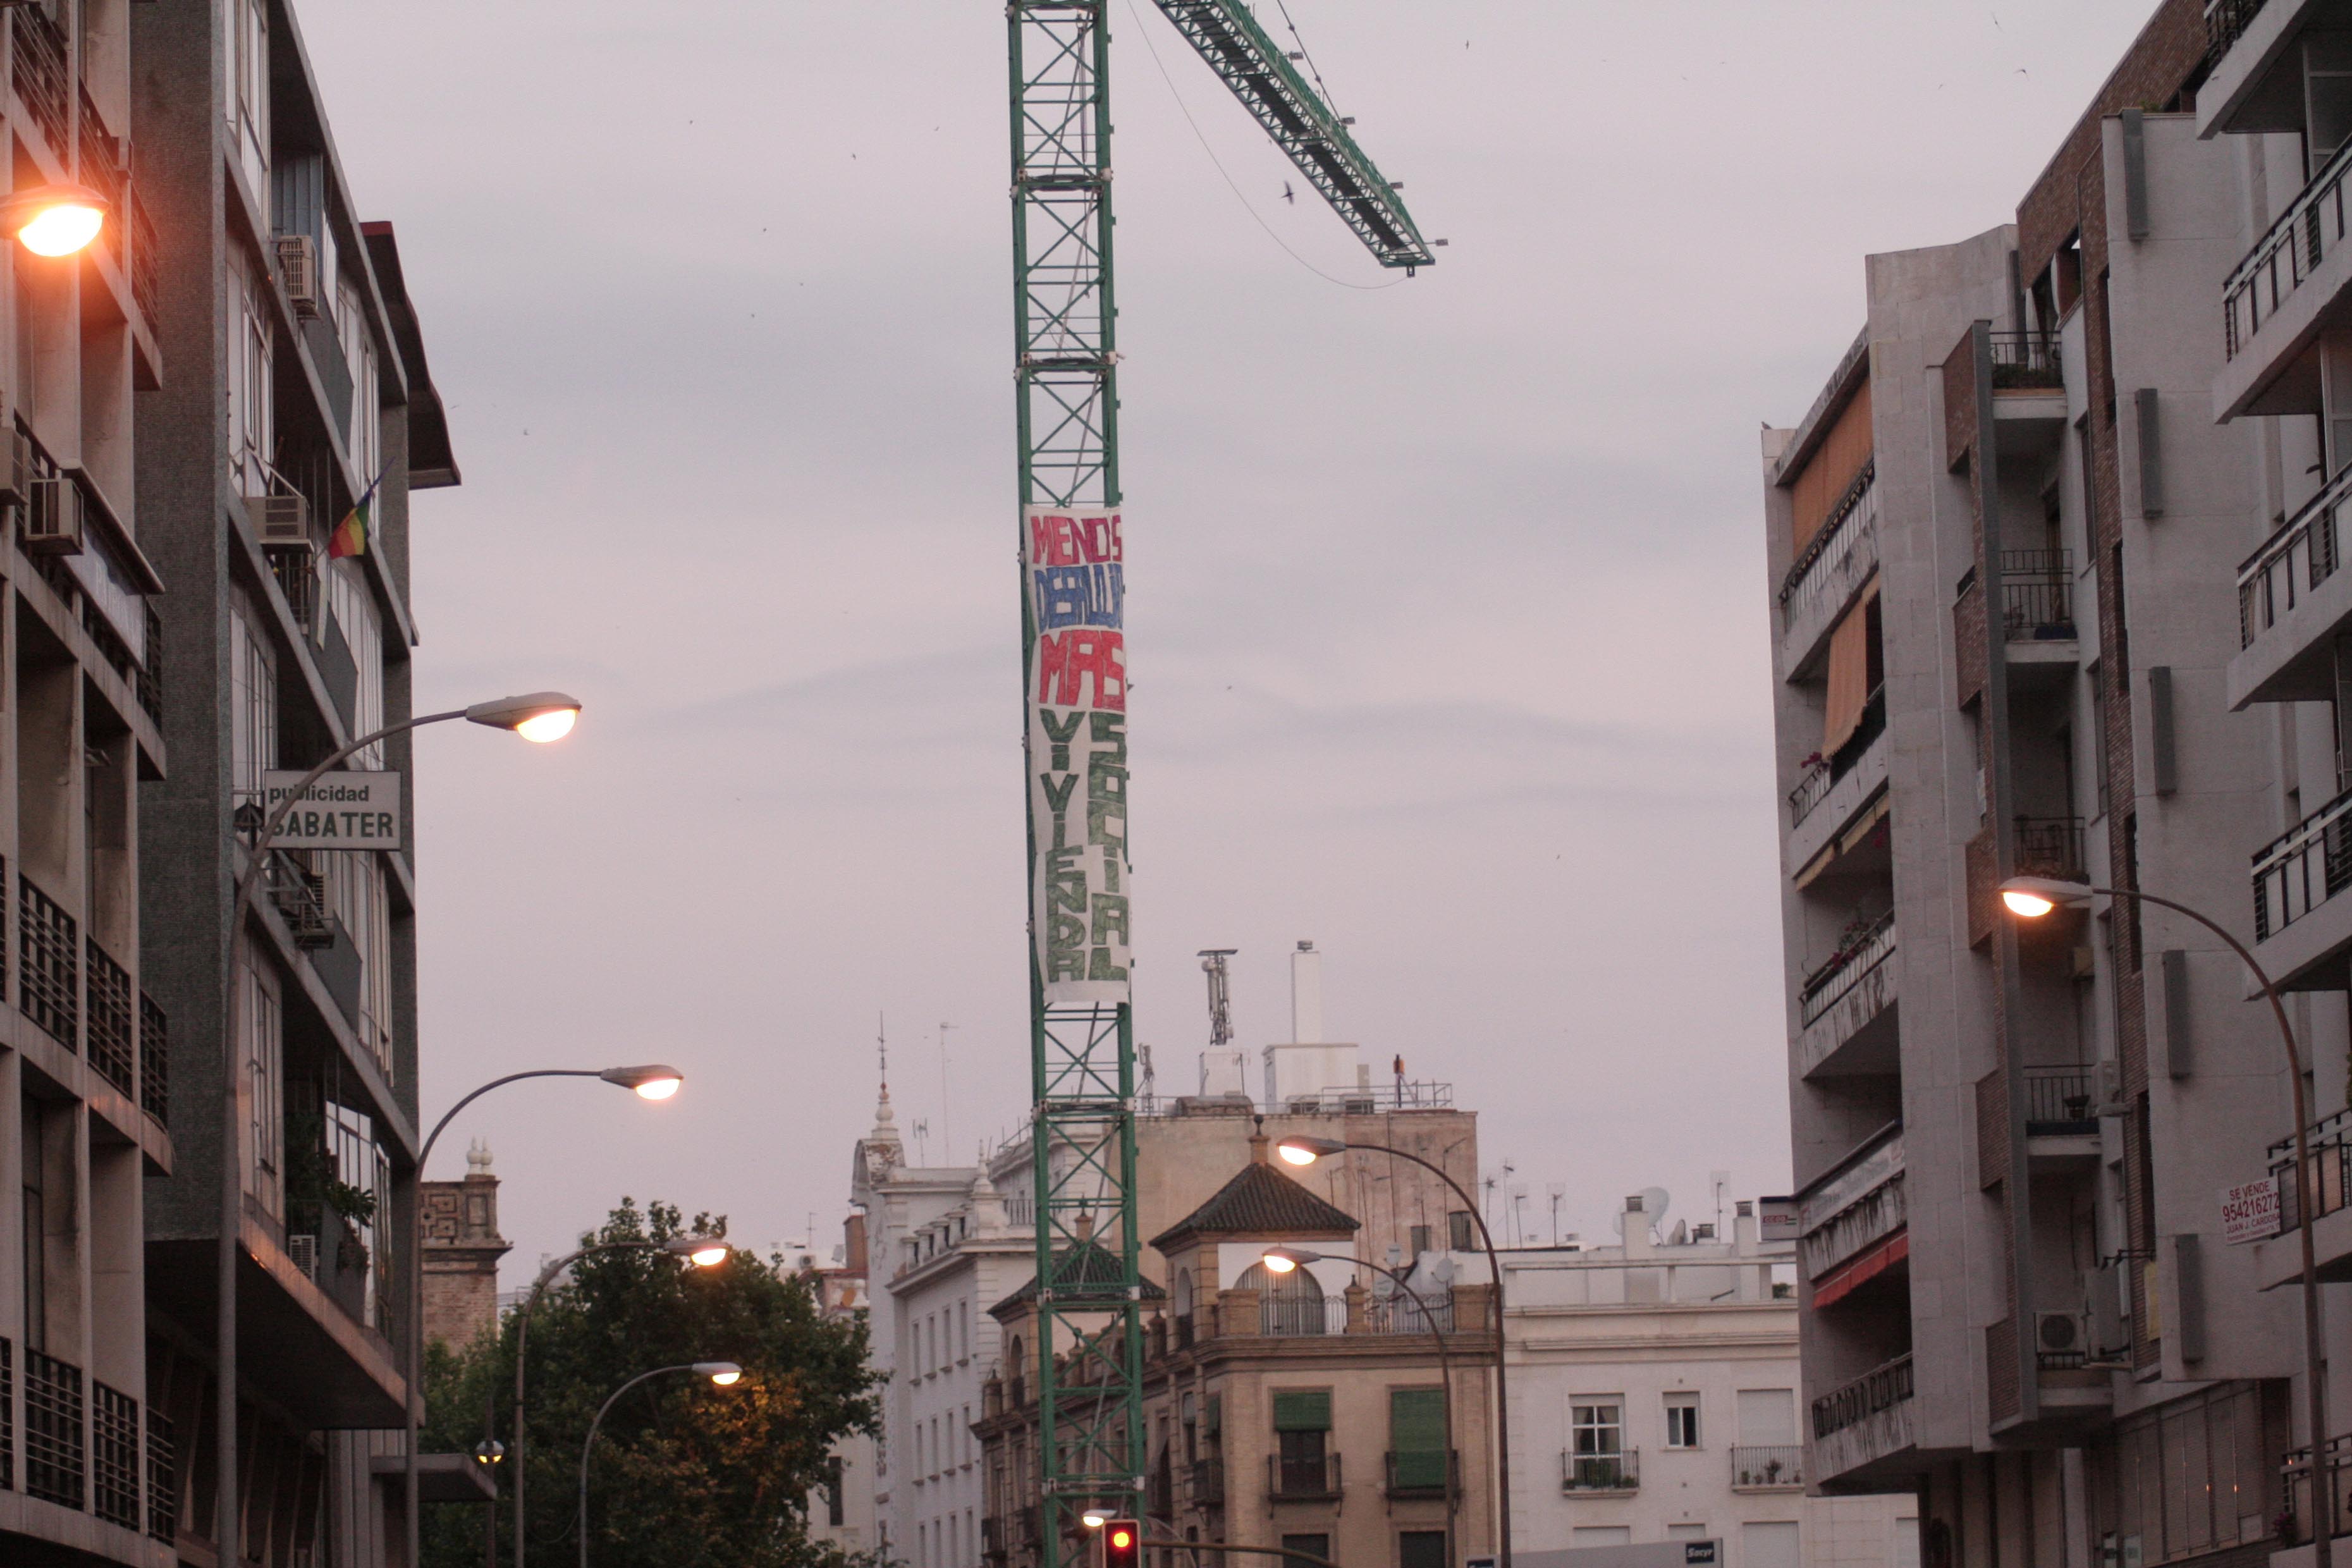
{"points": [[685, 1475]]}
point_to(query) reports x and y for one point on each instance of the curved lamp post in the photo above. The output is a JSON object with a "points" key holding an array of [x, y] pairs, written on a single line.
{"points": [[724, 1373], [2030, 897], [650, 1081], [1286, 1259], [1303, 1151], [540, 716], [702, 1251]]}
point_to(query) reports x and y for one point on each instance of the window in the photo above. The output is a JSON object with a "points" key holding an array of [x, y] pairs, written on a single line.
{"points": [[253, 703], [1417, 1439], [1602, 1535], [1421, 1549], [359, 1161], [361, 898], [1598, 1425], [1770, 1543], [31, 1152], [1419, 1239], [1767, 1415], [354, 608], [246, 40], [2190, 1474], [264, 1071], [362, 440], [1302, 1430], [1461, 1235], [1682, 1420], [2099, 737], [1313, 1545], [250, 438]]}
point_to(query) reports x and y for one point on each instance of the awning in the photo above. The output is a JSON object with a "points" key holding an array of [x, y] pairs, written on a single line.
{"points": [[1848, 1277], [1849, 672]]}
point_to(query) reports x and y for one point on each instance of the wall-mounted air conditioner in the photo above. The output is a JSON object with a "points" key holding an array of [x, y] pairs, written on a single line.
{"points": [[2059, 1334], [283, 521], [53, 517], [17, 469], [298, 265]]}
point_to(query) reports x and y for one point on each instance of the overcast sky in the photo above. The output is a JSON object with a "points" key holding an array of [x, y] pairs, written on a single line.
{"points": [[1448, 605]]}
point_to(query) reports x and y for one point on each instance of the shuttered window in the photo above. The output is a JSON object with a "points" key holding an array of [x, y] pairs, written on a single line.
{"points": [[1849, 673], [1417, 1436], [1303, 1410], [1823, 482]]}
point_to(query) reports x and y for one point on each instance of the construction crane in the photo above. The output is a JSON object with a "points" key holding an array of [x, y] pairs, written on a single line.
{"points": [[1089, 1330]]}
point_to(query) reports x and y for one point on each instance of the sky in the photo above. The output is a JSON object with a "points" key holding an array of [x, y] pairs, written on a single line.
{"points": [[1447, 598]]}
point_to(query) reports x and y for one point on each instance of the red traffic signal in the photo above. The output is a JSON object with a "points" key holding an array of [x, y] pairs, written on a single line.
{"points": [[1122, 1544]]}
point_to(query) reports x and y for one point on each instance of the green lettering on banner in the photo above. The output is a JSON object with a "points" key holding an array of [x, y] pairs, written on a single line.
{"points": [[1110, 917], [1109, 730], [1058, 800], [1106, 799], [1065, 882], [1103, 968], [1060, 735], [1065, 954]]}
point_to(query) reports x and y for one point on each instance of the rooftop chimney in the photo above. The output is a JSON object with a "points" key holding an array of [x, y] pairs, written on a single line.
{"points": [[1306, 995]]}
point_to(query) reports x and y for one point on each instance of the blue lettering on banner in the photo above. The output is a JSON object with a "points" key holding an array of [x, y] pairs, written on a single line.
{"points": [[1080, 596]]}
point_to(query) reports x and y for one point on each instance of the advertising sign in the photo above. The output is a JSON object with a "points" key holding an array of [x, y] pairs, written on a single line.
{"points": [[2250, 1211], [338, 811], [1777, 1218], [1074, 570]]}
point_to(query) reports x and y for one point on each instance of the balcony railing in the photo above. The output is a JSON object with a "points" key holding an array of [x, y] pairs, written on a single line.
{"points": [[2297, 1473], [1209, 1483], [113, 1024], [2303, 868], [1613, 1472], [2037, 596], [2330, 1141], [114, 1455], [1828, 564], [145, 273], [2283, 260], [1880, 1388], [104, 169], [154, 1061], [163, 1479], [1823, 774], [40, 76], [1302, 1480], [1400, 1313], [1422, 1475], [1828, 984], [2058, 1102], [48, 949], [8, 1417], [1296, 1317], [2224, 20], [301, 895], [1767, 1467], [2293, 561], [2049, 847], [55, 1462], [2026, 360]]}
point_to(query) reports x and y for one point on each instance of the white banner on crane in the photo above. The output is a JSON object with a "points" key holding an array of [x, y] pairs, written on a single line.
{"points": [[1074, 566]]}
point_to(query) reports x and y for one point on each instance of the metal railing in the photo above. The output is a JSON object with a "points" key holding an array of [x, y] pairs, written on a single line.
{"points": [[2303, 868], [1209, 1483], [2295, 1471], [55, 1462], [301, 895], [2330, 1141], [1295, 1479], [146, 275], [297, 574], [1827, 985], [1618, 1471], [163, 1479], [2026, 360], [40, 76], [48, 951], [1423, 1474], [2058, 1102], [1298, 1317], [104, 168], [113, 1022], [2225, 21], [2037, 596], [2286, 256], [1822, 564], [1881, 1388], [2293, 561], [8, 1417], [2049, 847], [114, 1455], [1399, 1313], [1369, 1100], [1823, 775], [154, 1061], [1757, 1466]]}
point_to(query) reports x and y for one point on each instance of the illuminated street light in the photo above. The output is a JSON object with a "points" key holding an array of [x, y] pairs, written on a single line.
{"points": [[541, 716], [54, 220], [651, 1081]]}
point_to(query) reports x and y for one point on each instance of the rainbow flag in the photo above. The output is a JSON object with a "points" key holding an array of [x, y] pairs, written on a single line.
{"points": [[350, 537]]}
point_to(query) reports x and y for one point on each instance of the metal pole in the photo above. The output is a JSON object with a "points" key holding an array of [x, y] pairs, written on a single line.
{"points": [[1502, 1400], [1444, 1368], [227, 1523], [586, 1448]]}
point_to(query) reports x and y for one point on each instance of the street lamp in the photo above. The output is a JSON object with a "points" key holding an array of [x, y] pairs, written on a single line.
{"points": [[1300, 1150], [2030, 897], [651, 1080], [702, 1251], [1285, 1259], [722, 1373], [535, 717], [53, 220]]}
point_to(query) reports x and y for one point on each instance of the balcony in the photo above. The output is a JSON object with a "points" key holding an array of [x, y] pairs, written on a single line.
{"points": [[2026, 361], [48, 951], [2281, 1260], [2274, 303], [1209, 1483], [1832, 789], [1845, 1008], [2291, 602], [1432, 1312], [1865, 1428], [2058, 1103], [1767, 1467], [56, 1447], [1422, 1475], [1301, 1316], [1617, 1474], [41, 78], [1302, 1480], [2302, 931], [112, 1021], [1822, 582], [2037, 612], [1851, 1220], [2295, 1475]]}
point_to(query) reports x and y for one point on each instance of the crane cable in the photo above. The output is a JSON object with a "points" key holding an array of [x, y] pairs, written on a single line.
{"points": [[1153, 50]]}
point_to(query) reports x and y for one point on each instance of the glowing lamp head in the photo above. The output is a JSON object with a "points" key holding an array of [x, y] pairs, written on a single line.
{"points": [[651, 1081], [489, 1451], [2030, 897], [56, 220], [1094, 1518], [541, 716], [1285, 1259], [1306, 1151], [702, 1251], [2031, 906], [725, 1373]]}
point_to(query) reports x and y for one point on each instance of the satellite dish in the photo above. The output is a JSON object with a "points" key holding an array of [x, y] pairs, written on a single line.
{"points": [[1654, 1203]]}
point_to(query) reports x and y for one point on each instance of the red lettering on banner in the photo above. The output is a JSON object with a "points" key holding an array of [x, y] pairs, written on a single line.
{"points": [[1068, 663], [1051, 542], [1098, 538]]}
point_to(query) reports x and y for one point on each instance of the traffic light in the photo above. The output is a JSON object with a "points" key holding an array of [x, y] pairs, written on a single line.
{"points": [[1122, 1544]]}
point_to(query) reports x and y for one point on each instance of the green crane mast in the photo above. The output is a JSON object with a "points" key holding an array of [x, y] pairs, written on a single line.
{"points": [[1090, 1333]]}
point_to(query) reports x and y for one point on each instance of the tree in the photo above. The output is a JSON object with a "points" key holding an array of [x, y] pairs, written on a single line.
{"points": [[685, 1475]]}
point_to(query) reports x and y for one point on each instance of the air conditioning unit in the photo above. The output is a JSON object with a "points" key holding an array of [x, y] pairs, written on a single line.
{"points": [[283, 521], [298, 265], [304, 1252], [2058, 1332], [53, 519], [17, 471]]}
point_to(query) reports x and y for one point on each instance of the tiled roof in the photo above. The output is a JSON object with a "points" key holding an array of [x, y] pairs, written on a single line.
{"points": [[1261, 1202], [1088, 1268]]}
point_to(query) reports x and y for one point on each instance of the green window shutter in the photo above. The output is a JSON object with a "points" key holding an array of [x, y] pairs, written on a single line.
{"points": [[1303, 1410], [1417, 1436]]}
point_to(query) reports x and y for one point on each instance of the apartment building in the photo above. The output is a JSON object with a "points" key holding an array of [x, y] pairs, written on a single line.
{"points": [[1304, 1410], [1654, 1398], [2001, 547]]}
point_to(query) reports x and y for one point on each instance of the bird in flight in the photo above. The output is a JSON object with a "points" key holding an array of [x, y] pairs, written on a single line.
{"points": [[1287, 194]]}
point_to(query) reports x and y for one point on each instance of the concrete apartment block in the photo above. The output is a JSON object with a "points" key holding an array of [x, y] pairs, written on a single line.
{"points": [[2003, 545]]}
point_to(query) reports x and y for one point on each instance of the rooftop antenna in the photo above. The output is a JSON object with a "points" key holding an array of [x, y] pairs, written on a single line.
{"points": [[922, 1136], [1143, 1061], [1558, 1191], [1221, 994]]}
